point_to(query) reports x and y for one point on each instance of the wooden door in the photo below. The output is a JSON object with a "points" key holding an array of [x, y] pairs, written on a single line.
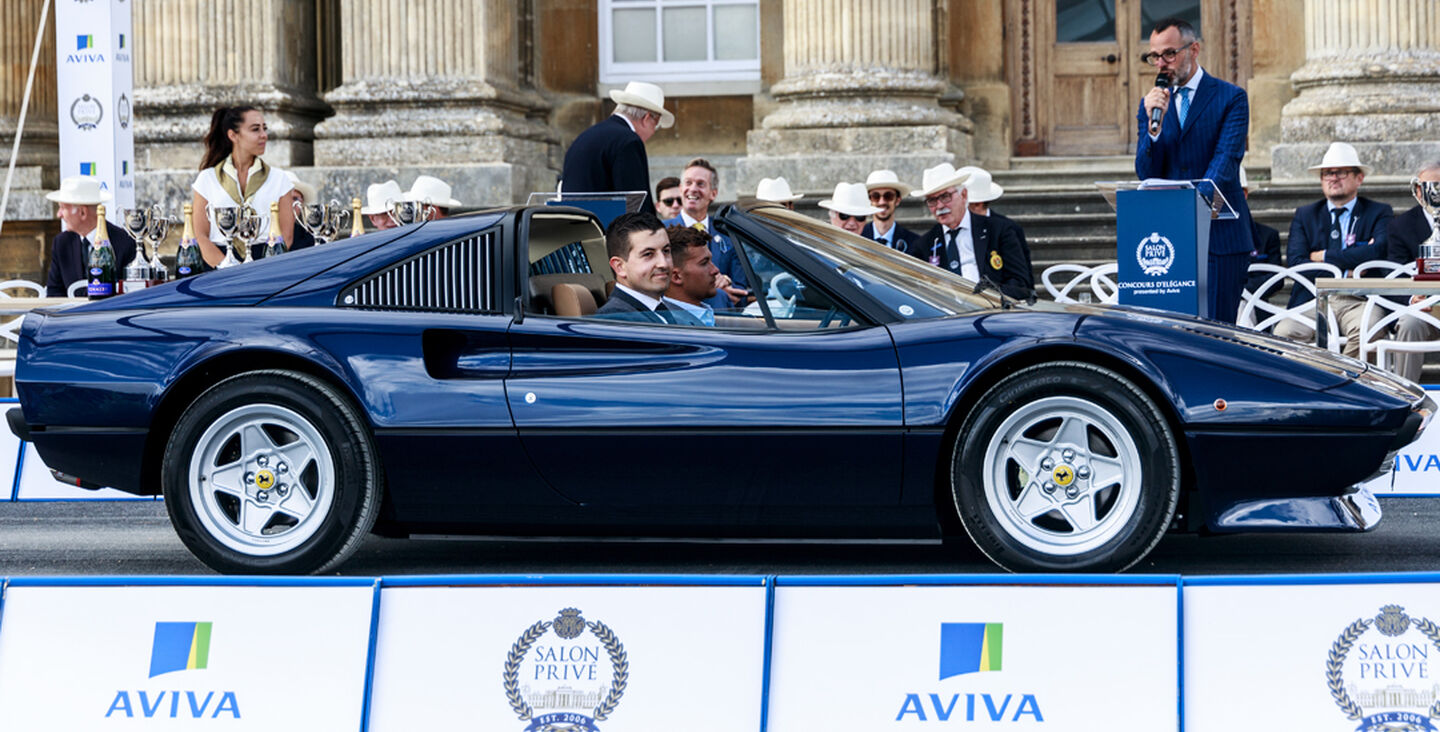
{"points": [[1090, 62], [1088, 77]]}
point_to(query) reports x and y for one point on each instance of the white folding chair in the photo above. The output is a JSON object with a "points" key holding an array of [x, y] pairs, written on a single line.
{"points": [[1257, 313], [1099, 278], [1381, 314], [77, 288], [10, 327]]}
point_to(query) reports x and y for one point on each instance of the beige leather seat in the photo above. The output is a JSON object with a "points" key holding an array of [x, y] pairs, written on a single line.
{"points": [[542, 285], [572, 300]]}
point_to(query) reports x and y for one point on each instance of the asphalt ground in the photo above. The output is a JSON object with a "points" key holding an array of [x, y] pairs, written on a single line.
{"points": [[135, 538]]}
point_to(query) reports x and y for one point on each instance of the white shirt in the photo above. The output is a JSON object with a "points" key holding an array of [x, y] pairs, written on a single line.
{"points": [[691, 222], [702, 312], [277, 184], [965, 242], [1193, 85], [627, 122], [650, 303]]}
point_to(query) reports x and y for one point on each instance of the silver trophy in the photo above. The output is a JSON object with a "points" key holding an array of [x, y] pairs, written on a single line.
{"points": [[136, 222], [1427, 192], [404, 213], [322, 220], [248, 230], [227, 221], [156, 232]]}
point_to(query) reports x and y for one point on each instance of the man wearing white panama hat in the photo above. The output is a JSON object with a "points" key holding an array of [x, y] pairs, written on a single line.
{"points": [[610, 156], [777, 190], [434, 193], [983, 189], [849, 207], [379, 197], [961, 242], [77, 199], [885, 191], [1343, 229]]}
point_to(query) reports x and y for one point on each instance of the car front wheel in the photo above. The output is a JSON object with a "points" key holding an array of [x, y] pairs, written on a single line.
{"points": [[1065, 467], [271, 472]]}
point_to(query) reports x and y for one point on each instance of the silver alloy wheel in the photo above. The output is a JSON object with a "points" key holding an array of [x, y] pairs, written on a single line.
{"points": [[1062, 476], [261, 480]]}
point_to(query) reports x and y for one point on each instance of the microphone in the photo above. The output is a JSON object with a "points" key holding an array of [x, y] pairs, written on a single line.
{"points": [[1162, 81]]}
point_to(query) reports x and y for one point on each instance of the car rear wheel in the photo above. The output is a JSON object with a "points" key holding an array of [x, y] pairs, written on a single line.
{"points": [[271, 472], [1065, 467]]}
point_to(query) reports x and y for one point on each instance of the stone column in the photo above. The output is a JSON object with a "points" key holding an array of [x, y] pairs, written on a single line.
{"points": [[40, 144], [1371, 78], [192, 56], [1278, 51], [436, 84], [861, 91]]}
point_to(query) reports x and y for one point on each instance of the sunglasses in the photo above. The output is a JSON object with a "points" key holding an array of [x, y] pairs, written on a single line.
{"points": [[886, 196], [848, 217], [672, 201]]}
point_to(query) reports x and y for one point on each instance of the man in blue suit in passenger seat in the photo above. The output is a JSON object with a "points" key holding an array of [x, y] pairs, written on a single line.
{"points": [[1201, 136]]}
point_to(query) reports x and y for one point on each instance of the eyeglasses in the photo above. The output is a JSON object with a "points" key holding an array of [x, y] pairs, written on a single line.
{"points": [[672, 201], [1168, 54], [848, 217], [1338, 172], [942, 199], [885, 196]]}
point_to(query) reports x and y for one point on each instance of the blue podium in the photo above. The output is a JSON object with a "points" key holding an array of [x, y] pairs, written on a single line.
{"points": [[1162, 245]]}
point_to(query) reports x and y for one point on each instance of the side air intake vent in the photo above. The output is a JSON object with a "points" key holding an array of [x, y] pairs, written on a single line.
{"points": [[456, 277]]}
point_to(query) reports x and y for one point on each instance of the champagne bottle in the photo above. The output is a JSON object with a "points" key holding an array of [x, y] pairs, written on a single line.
{"points": [[357, 222], [100, 266], [188, 260], [275, 246]]}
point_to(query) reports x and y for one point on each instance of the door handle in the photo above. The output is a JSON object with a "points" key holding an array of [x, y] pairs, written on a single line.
{"points": [[1112, 58]]}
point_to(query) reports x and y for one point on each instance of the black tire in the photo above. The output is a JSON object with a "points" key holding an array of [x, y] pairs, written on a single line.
{"points": [[1101, 506], [227, 467]]}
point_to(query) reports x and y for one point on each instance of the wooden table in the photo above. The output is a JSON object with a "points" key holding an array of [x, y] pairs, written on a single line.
{"points": [[1363, 287]]}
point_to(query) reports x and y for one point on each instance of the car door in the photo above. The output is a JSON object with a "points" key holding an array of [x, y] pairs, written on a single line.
{"points": [[761, 417]]}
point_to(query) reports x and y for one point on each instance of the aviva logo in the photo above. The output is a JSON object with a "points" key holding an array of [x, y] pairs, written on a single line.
{"points": [[84, 42], [966, 648], [180, 647]]}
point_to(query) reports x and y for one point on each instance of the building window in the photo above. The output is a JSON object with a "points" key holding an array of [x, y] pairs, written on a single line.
{"points": [[679, 41]]}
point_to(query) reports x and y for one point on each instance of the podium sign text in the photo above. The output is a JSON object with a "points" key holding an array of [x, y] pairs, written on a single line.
{"points": [[1163, 247]]}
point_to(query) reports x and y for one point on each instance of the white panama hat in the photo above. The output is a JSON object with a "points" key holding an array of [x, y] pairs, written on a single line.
{"points": [[981, 185], [775, 190], [1341, 155], [851, 199], [886, 179], [81, 190], [939, 178], [308, 193], [379, 196], [431, 190], [645, 96]]}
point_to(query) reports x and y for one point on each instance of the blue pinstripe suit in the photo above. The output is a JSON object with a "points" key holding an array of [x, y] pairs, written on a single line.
{"points": [[1210, 146]]}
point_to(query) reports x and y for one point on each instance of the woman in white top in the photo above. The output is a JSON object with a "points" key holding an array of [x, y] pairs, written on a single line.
{"points": [[232, 172]]}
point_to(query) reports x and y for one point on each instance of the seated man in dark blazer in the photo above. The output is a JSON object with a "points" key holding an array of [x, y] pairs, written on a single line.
{"points": [[1344, 229], [639, 252], [1407, 232], [982, 190], [966, 244], [70, 251]]}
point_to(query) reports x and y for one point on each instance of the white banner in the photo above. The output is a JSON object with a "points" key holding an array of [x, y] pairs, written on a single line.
{"points": [[94, 86], [1337, 657], [184, 658], [1053, 658], [579, 658], [1417, 467]]}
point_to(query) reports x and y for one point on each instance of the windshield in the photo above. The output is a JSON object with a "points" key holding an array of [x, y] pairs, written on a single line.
{"points": [[907, 286]]}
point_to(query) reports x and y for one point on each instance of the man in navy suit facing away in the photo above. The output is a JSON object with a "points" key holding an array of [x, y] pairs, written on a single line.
{"points": [[1201, 136], [610, 156]]}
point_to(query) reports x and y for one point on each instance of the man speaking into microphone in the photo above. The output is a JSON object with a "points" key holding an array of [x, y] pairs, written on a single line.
{"points": [[1196, 129]]}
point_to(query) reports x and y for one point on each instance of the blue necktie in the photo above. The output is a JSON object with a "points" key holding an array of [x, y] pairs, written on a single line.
{"points": [[1183, 106]]}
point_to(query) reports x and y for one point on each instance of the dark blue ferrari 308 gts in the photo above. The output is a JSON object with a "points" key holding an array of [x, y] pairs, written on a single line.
{"points": [[451, 377]]}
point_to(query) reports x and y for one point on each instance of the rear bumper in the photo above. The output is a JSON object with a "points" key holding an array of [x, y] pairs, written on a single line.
{"points": [[1353, 512], [88, 456]]}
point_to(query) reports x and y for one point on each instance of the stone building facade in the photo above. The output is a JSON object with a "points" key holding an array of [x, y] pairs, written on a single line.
{"points": [[486, 93]]}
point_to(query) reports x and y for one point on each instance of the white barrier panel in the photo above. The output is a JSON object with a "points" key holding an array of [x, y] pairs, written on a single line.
{"points": [[185, 657], [9, 458], [579, 658], [1351, 656], [1052, 658], [1417, 467], [37, 484]]}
